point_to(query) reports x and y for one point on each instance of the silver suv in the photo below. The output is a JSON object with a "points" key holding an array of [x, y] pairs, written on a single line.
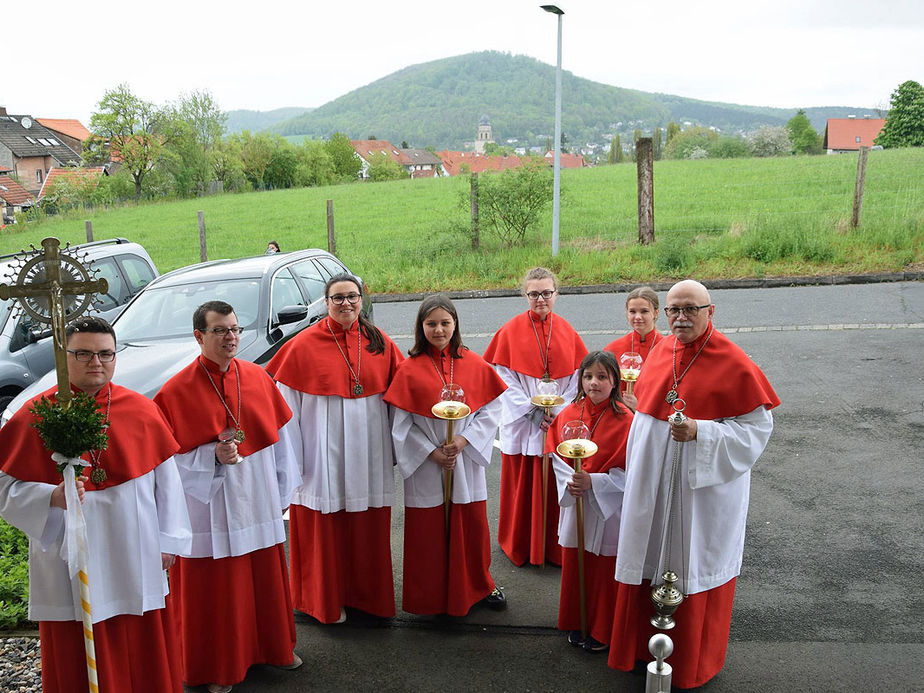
{"points": [[25, 348]]}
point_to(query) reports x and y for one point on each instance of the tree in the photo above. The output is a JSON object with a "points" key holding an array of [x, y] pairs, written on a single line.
{"points": [[684, 143], [227, 167], [611, 157], [672, 131], [510, 202], [904, 126], [382, 167], [805, 139], [770, 140], [282, 169], [315, 166], [256, 152], [346, 164], [656, 147], [134, 129]]}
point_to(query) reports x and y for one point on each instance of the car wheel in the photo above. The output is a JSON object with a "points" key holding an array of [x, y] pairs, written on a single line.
{"points": [[5, 400]]}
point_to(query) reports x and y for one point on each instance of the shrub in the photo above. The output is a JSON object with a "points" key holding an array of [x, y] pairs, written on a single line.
{"points": [[14, 577], [770, 140], [510, 202]]}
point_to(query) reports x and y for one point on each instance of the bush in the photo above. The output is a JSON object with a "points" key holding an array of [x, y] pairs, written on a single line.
{"points": [[510, 202], [673, 256], [770, 140], [14, 577]]}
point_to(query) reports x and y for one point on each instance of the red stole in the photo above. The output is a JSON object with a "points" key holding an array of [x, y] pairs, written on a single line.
{"points": [[722, 382], [416, 386], [515, 346], [139, 440], [310, 362], [610, 431], [194, 410], [633, 342]]}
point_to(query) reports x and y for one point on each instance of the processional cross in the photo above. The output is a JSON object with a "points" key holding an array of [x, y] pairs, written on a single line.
{"points": [[43, 283]]}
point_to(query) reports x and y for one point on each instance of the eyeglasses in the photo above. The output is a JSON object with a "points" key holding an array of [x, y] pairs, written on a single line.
{"points": [[85, 356], [689, 311], [222, 331], [534, 295], [339, 299]]}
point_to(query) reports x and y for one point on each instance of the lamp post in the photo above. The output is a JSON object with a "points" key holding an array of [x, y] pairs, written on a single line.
{"points": [[556, 166]]}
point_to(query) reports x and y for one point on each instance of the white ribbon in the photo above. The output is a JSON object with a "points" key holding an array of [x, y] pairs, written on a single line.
{"points": [[74, 546]]}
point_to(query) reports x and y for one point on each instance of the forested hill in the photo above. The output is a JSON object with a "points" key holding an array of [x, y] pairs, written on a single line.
{"points": [[440, 103], [259, 120]]}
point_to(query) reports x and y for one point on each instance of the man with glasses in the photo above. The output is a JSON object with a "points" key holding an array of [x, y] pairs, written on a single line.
{"points": [[136, 522], [237, 463], [703, 420]]}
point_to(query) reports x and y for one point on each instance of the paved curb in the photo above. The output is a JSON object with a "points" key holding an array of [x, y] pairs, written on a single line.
{"points": [[754, 283]]}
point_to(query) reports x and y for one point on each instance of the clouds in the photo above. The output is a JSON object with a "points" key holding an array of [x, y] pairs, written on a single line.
{"points": [[270, 54]]}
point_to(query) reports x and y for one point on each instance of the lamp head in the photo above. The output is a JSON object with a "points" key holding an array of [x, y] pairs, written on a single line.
{"points": [[554, 9]]}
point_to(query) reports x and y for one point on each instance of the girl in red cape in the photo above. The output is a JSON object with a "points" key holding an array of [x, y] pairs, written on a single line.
{"points": [[446, 569], [642, 314], [600, 484]]}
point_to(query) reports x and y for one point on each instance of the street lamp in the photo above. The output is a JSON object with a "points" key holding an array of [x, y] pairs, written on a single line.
{"points": [[556, 166]]}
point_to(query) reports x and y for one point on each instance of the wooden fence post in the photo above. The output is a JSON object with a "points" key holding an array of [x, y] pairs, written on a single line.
{"points": [[89, 227], [645, 164], [331, 241], [476, 240], [858, 188], [203, 254]]}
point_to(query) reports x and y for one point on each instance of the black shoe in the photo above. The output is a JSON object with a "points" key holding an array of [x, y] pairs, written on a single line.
{"points": [[592, 645], [574, 638], [496, 600]]}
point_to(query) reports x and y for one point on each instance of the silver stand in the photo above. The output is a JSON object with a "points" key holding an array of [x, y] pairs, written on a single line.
{"points": [[658, 678]]}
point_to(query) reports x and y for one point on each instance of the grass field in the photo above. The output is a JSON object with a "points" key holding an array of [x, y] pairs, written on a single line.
{"points": [[714, 219]]}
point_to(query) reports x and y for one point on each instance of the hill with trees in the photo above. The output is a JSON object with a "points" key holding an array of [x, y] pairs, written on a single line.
{"points": [[241, 120], [439, 104]]}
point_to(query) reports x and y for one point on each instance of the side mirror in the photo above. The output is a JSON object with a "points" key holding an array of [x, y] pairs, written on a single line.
{"points": [[291, 314]]}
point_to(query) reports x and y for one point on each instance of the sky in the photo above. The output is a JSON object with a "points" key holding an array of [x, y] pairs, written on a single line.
{"points": [[62, 55]]}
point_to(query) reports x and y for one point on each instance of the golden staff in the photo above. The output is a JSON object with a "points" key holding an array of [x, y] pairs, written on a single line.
{"points": [[450, 411], [577, 449], [546, 401]]}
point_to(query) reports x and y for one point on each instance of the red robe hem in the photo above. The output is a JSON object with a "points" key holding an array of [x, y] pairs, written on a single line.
{"points": [[341, 559], [519, 530], [599, 593]]}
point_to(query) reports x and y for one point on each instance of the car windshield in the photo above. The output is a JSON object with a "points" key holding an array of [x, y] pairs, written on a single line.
{"points": [[162, 312], [5, 308]]}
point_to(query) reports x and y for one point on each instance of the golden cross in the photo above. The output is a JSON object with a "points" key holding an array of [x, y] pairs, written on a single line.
{"points": [[54, 288]]}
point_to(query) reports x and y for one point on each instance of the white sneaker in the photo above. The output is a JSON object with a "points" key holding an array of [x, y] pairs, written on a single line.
{"points": [[218, 688], [342, 618], [296, 663]]}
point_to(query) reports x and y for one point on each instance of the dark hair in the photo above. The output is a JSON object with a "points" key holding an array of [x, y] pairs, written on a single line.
{"points": [[372, 333], [273, 243], [427, 306], [609, 362], [647, 293], [90, 323], [199, 321]]}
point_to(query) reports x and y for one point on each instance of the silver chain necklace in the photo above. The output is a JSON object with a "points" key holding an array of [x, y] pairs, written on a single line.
{"points": [[672, 395], [440, 372], [238, 431], [357, 386], [548, 343]]}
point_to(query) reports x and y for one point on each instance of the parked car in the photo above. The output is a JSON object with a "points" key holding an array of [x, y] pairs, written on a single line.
{"points": [[25, 345], [274, 298]]}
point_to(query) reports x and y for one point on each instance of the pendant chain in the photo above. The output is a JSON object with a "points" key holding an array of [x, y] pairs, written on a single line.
{"points": [[439, 371], [672, 395], [595, 423], [98, 475], [548, 344], [236, 421], [357, 386]]}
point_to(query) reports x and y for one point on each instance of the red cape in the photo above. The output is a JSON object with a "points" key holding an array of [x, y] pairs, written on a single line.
{"points": [[722, 382], [193, 409], [610, 434], [515, 346], [139, 440], [311, 363], [416, 386], [633, 342]]}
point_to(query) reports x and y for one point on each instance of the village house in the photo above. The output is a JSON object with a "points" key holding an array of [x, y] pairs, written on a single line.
{"points": [[13, 198], [849, 134], [78, 176], [424, 164], [69, 130], [366, 150], [30, 150]]}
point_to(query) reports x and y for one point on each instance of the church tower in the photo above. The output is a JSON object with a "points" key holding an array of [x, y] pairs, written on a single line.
{"points": [[484, 135]]}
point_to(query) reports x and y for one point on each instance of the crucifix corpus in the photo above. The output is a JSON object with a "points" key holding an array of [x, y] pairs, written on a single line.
{"points": [[55, 288]]}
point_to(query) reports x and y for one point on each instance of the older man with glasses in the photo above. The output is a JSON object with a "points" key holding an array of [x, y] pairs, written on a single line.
{"points": [[703, 420], [237, 460], [136, 522]]}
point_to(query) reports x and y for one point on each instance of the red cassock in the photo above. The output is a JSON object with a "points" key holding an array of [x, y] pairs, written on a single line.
{"points": [[340, 518], [519, 351], [441, 578], [233, 611], [139, 442], [722, 384], [609, 432]]}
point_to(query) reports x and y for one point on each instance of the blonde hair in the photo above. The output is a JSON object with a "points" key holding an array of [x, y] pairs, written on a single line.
{"points": [[647, 293], [540, 273]]}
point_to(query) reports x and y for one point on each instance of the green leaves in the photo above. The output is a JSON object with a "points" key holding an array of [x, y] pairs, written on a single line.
{"points": [[71, 430]]}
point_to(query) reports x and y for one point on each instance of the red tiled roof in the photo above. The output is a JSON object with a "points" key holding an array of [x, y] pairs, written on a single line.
{"points": [[55, 173], [567, 160], [367, 148], [477, 163], [66, 126], [13, 192], [842, 133]]}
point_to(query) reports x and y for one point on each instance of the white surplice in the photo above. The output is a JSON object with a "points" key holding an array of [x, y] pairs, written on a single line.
{"points": [[712, 499], [518, 435], [602, 508]]}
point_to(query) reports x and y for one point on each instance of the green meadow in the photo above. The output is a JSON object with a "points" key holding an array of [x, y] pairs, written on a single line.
{"points": [[730, 218]]}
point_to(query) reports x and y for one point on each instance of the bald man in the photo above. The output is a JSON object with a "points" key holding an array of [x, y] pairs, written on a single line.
{"points": [[698, 532]]}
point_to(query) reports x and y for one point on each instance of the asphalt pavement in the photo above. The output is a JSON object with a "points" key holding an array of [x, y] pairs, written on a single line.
{"points": [[830, 594]]}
